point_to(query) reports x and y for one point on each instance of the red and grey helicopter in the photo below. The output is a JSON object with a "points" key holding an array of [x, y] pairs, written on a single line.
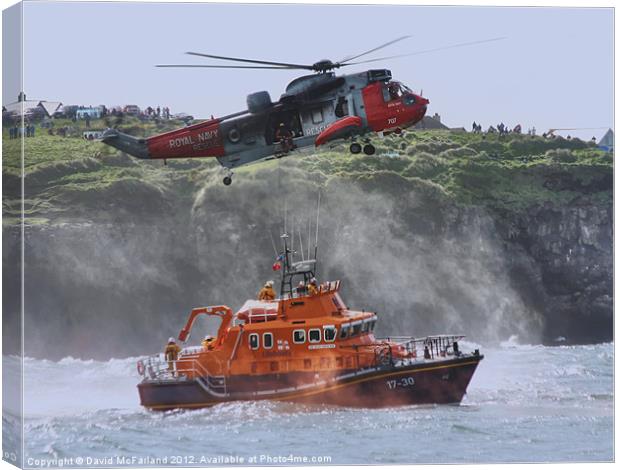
{"points": [[314, 110]]}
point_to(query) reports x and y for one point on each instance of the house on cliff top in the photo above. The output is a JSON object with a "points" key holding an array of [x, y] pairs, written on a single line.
{"points": [[607, 141], [32, 109], [429, 122]]}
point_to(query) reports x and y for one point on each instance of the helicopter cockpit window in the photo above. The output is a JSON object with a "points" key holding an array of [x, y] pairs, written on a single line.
{"points": [[386, 94], [395, 90]]}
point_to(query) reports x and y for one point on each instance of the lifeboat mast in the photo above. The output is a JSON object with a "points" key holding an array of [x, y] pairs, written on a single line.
{"points": [[306, 268], [293, 270]]}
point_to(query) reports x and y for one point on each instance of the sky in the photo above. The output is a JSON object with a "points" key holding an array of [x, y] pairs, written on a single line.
{"points": [[554, 69]]}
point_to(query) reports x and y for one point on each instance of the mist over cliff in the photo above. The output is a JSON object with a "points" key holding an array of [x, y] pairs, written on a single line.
{"points": [[487, 239]]}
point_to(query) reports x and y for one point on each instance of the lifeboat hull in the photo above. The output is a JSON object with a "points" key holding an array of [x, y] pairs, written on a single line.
{"points": [[425, 382]]}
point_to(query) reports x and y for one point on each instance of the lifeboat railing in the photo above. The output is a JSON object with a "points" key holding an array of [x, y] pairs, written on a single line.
{"points": [[431, 347], [157, 368], [406, 350], [323, 288]]}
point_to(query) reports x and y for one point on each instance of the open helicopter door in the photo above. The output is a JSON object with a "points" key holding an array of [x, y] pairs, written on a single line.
{"points": [[289, 118]]}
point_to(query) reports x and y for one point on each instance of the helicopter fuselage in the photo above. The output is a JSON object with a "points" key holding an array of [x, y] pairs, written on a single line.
{"points": [[315, 109]]}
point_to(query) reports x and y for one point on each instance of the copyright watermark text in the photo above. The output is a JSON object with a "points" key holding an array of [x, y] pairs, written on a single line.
{"points": [[175, 460]]}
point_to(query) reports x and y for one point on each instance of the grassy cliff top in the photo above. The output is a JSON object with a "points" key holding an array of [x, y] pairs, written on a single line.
{"points": [[70, 178]]}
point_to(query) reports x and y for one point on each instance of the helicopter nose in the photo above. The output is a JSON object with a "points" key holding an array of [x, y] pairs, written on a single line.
{"points": [[422, 109]]}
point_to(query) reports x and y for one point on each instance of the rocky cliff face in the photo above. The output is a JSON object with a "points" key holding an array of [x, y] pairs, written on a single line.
{"points": [[570, 251], [117, 268]]}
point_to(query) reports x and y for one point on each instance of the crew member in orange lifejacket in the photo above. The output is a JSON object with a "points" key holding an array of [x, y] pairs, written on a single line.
{"points": [[208, 342], [171, 353], [312, 287], [267, 293]]}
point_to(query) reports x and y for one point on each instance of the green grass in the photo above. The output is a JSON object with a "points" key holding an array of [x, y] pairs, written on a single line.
{"points": [[66, 175]]}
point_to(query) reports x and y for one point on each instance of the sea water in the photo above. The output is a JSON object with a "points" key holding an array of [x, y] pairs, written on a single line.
{"points": [[526, 403]]}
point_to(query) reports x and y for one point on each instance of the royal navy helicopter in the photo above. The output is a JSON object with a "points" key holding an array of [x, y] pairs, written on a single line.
{"points": [[314, 110]]}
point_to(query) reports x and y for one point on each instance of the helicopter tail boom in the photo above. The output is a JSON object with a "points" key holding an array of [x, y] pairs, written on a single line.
{"points": [[126, 143], [199, 140]]}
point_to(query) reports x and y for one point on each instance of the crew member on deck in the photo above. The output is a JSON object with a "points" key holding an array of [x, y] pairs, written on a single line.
{"points": [[267, 293], [208, 342], [312, 287], [171, 353], [301, 288]]}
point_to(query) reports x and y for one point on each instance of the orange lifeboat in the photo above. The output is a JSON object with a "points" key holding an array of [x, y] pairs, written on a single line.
{"points": [[305, 346]]}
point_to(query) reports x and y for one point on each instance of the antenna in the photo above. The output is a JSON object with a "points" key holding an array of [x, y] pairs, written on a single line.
{"points": [[275, 250], [309, 228], [318, 210], [301, 246], [285, 215], [293, 240], [286, 264], [316, 239]]}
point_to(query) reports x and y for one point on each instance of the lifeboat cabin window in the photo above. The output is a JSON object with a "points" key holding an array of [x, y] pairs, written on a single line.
{"points": [[267, 340], [254, 341], [343, 332], [365, 326], [314, 335], [329, 333], [356, 329], [299, 336]]}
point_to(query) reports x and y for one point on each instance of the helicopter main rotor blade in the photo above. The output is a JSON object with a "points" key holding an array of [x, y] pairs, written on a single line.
{"points": [[373, 50], [252, 61], [426, 51], [224, 66]]}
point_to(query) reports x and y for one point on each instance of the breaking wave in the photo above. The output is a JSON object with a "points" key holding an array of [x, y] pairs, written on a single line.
{"points": [[525, 403]]}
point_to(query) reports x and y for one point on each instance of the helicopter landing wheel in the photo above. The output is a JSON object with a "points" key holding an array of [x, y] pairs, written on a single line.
{"points": [[227, 180], [355, 148], [369, 149]]}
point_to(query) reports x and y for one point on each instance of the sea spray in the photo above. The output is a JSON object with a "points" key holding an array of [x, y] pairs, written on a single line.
{"points": [[526, 403]]}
